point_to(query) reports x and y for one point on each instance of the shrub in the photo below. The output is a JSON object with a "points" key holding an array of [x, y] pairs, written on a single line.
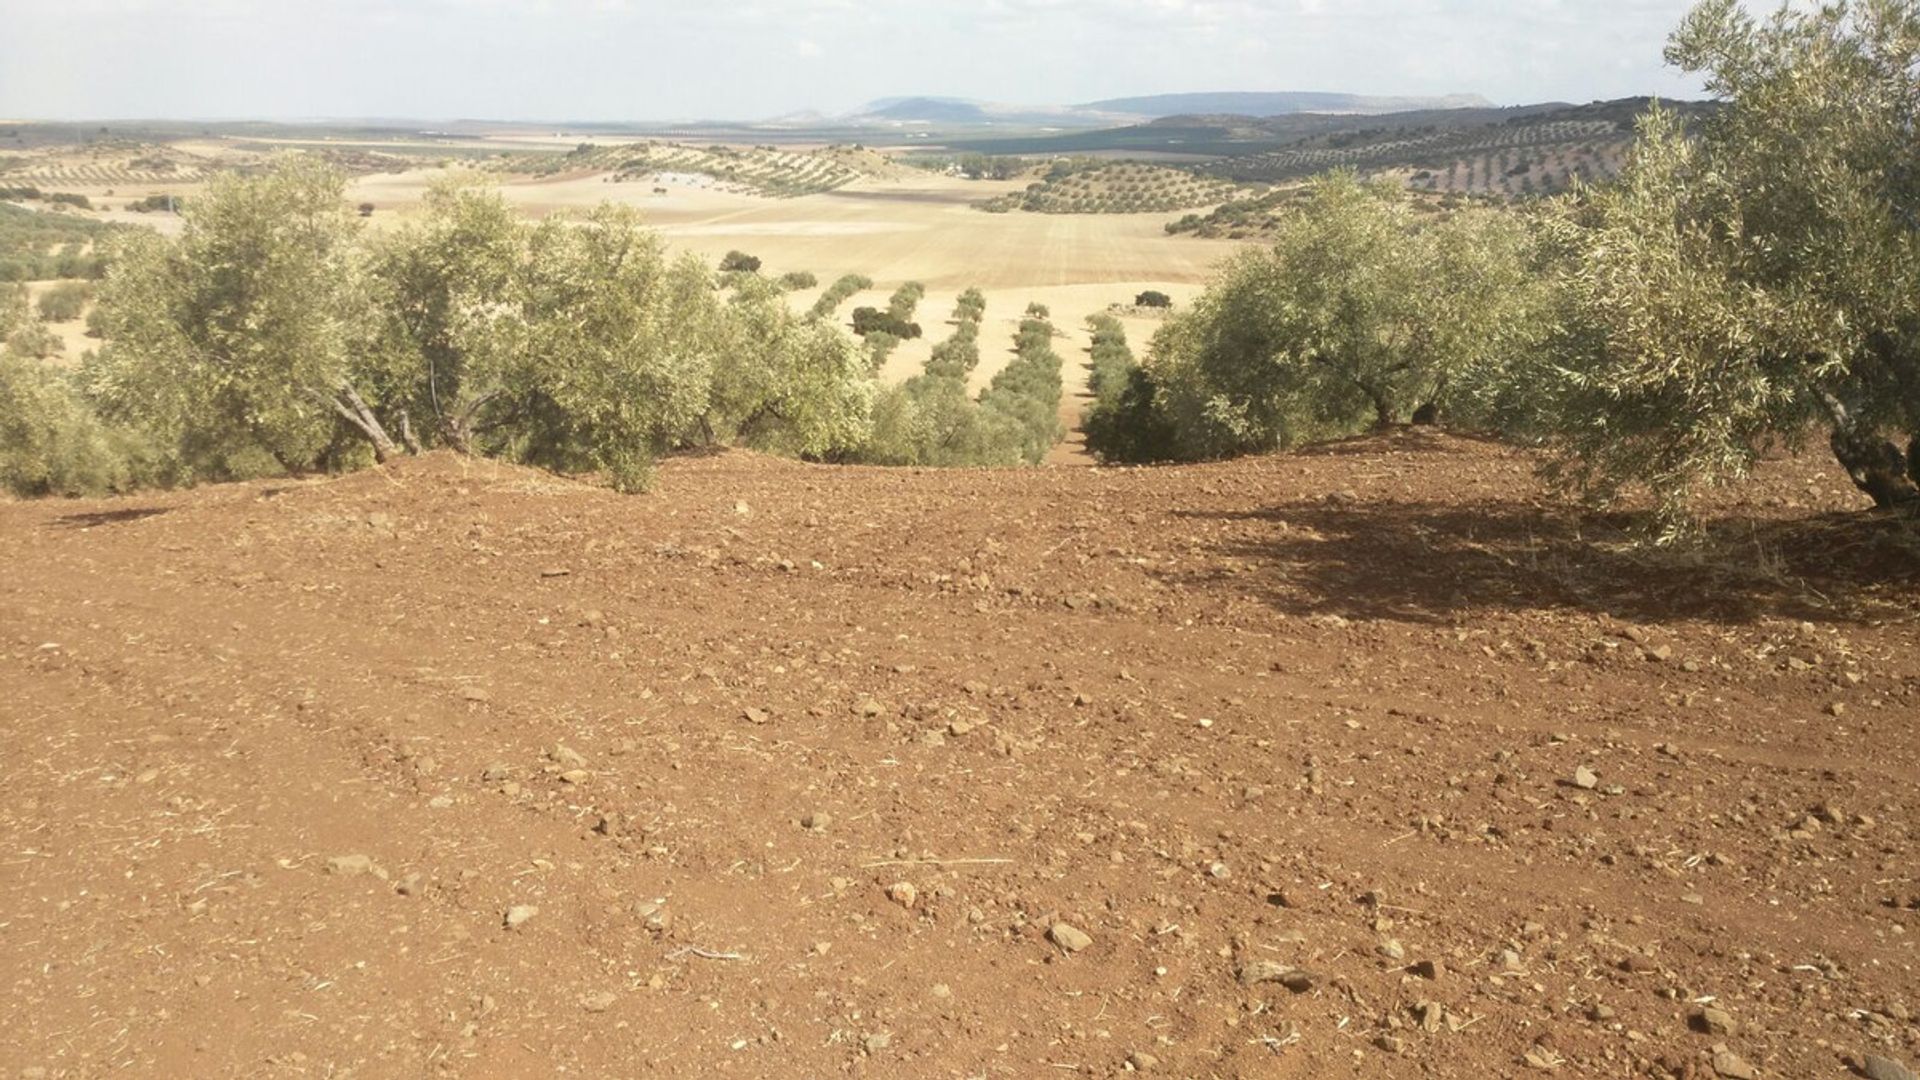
{"points": [[64, 302], [1360, 314], [51, 442], [1154, 298], [868, 320], [739, 262], [796, 280]]}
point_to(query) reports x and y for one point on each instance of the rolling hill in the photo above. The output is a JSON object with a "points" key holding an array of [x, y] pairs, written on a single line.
{"points": [[1279, 103]]}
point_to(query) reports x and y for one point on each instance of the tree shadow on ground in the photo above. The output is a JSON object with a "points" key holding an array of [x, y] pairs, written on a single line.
{"points": [[107, 517], [1434, 562]]}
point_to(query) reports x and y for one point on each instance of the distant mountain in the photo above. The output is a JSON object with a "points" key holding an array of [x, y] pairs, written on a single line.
{"points": [[1278, 104], [962, 112], [950, 112], [931, 110]]}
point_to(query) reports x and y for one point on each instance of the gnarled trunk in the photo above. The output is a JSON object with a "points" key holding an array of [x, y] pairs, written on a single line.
{"points": [[354, 410], [1876, 466]]}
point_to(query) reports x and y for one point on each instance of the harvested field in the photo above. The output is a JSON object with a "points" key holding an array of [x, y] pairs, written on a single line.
{"points": [[1369, 761]]}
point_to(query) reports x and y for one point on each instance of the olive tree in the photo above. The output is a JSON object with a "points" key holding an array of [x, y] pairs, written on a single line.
{"points": [[786, 384], [621, 347], [252, 325], [1361, 312], [1763, 277], [452, 289]]}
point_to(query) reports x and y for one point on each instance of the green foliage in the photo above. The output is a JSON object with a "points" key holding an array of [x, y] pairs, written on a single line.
{"points": [[64, 302], [1152, 298], [621, 348], [1112, 359], [33, 339], [956, 357], [739, 262], [1129, 424], [838, 292], [154, 204], [452, 288], [786, 384], [1361, 313], [38, 245], [1761, 278], [868, 320], [52, 443], [932, 419], [1026, 393], [247, 330], [796, 280], [904, 300], [970, 307], [272, 323]]}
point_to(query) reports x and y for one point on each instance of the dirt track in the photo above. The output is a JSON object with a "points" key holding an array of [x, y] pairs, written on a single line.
{"points": [[279, 758]]}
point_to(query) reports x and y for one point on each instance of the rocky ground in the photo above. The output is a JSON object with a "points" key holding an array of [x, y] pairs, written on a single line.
{"points": [[1372, 761]]}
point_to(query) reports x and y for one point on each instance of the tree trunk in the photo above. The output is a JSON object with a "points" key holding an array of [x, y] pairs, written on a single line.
{"points": [[407, 436], [354, 410], [1872, 461], [460, 425]]}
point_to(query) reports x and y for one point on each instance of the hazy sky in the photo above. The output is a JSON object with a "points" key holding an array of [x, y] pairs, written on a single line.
{"points": [[738, 59]]}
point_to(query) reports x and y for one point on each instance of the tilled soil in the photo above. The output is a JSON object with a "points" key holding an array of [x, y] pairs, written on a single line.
{"points": [[1371, 761]]}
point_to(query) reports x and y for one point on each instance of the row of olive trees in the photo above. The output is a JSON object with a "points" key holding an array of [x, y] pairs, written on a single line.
{"points": [[1749, 282], [933, 418], [274, 326]]}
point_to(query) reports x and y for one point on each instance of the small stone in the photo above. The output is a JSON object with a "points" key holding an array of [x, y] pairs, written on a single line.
{"points": [[1539, 1057], [867, 707], [1068, 937], [1600, 1014], [411, 885], [1885, 1068], [1584, 778], [1430, 970], [1733, 1066], [475, 693], [1392, 950], [903, 893], [654, 916], [574, 776], [1431, 1013], [567, 757], [598, 1002], [958, 728], [350, 865], [1714, 1021], [757, 716], [816, 821], [1389, 1043], [1141, 1061], [1298, 980], [518, 915], [877, 1042]]}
